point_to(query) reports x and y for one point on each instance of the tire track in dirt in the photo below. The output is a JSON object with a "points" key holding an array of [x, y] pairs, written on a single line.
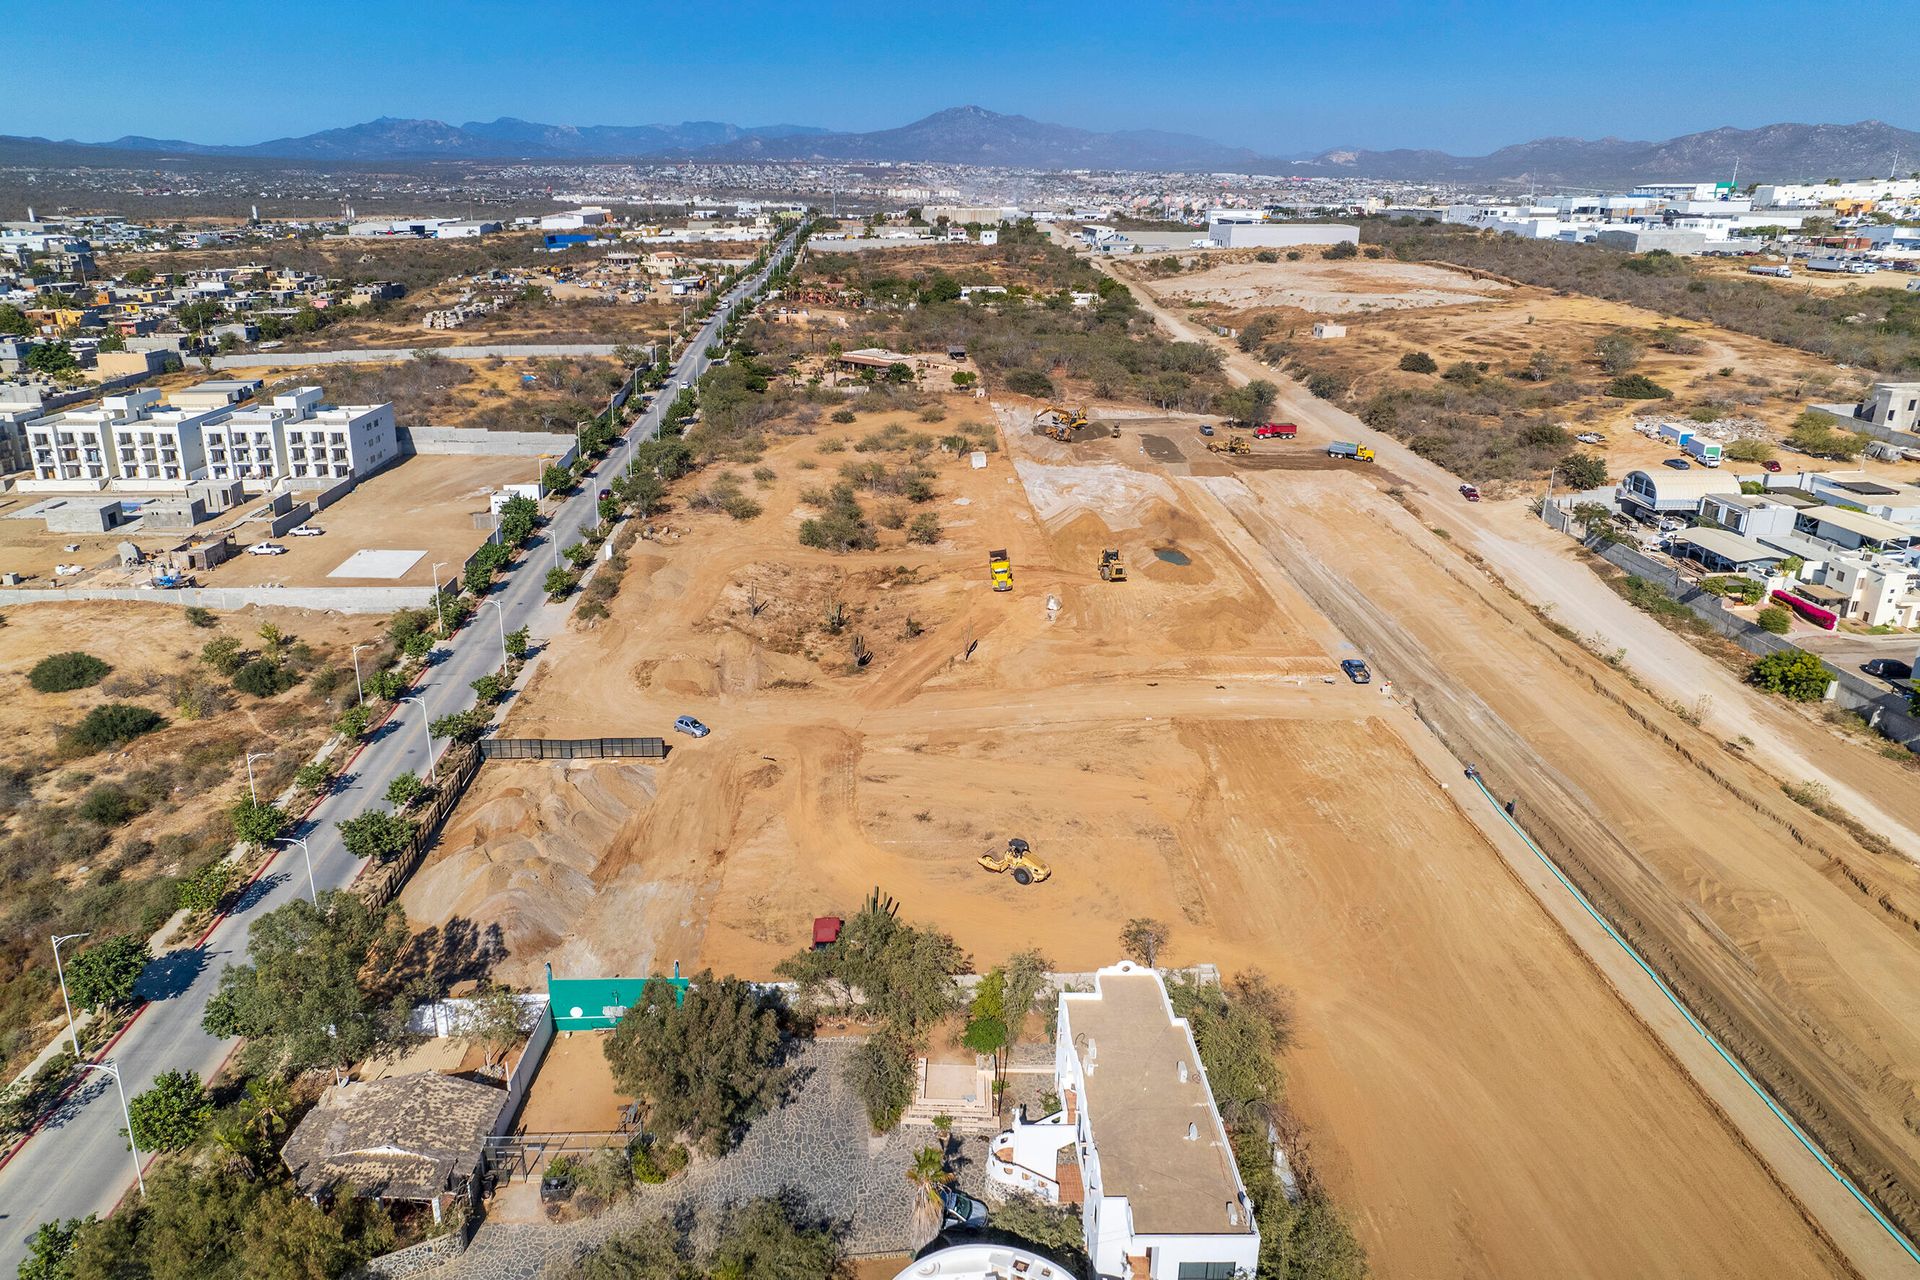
{"points": [[1816, 1075]]}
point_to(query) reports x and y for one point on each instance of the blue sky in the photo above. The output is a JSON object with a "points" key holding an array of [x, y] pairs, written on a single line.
{"points": [[1280, 78]]}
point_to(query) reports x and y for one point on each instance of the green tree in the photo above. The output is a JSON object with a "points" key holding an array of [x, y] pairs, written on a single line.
{"points": [[1052, 1229], [405, 789], [763, 1242], [1143, 939], [63, 672], [1793, 674], [1775, 618], [652, 1251], [256, 821], [205, 888], [881, 1074], [13, 320], [55, 359], [704, 1066], [1747, 451], [172, 1114], [110, 725], [104, 974], [1583, 470], [1637, 386], [50, 1250], [300, 1001], [556, 479], [1617, 352], [560, 583], [462, 726], [1418, 362], [517, 642], [902, 974], [375, 834]]}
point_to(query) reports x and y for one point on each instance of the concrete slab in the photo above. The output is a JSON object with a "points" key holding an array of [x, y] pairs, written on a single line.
{"points": [[374, 562]]}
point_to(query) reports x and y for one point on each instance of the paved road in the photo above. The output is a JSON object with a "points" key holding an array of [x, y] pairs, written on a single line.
{"points": [[78, 1163]]}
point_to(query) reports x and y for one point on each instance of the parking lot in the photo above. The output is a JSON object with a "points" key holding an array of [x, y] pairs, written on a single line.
{"points": [[426, 504]]}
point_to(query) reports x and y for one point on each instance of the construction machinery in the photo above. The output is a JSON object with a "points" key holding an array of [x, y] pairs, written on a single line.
{"points": [[1001, 570], [1112, 568], [1058, 431], [1019, 860], [1348, 449], [1232, 444]]}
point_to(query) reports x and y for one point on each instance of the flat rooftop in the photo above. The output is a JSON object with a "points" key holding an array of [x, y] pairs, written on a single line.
{"points": [[1131, 1050]]}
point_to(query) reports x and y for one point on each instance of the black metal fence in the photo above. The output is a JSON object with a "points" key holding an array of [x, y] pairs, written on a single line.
{"points": [[573, 748]]}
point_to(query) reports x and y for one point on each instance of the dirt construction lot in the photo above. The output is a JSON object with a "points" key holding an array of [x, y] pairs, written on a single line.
{"points": [[1482, 1100]]}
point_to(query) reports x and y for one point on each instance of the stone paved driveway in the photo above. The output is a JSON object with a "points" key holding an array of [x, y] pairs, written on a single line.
{"points": [[817, 1147]]}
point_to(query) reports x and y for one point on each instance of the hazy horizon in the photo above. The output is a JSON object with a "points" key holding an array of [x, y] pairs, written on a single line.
{"points": [[1276, 79]]}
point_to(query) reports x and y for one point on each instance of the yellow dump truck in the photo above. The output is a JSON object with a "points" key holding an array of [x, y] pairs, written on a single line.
{"points": [[1001, 569]]}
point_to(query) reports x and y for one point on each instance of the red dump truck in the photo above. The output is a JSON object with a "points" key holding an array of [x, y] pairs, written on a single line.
{"points": [[1276, 430]]}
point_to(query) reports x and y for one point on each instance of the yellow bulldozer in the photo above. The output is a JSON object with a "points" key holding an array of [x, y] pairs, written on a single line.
{"points": [[1112, 568], [1019, 860], [1000, 569], [1232, 444]]}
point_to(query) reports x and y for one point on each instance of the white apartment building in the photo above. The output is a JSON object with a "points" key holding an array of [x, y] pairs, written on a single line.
{"points": [[299, 438], [1137, 1143], [125, 441], [1807, 195]]}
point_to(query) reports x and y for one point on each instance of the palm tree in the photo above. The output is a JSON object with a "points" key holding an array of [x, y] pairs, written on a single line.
{"points": [[928, 1174]]}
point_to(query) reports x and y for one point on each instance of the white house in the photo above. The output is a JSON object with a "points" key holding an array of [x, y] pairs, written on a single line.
{"points": [[1137, 1143], [575, 219]]}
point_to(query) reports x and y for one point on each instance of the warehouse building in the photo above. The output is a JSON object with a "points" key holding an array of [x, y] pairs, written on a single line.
{"points": [[1279, 235]]}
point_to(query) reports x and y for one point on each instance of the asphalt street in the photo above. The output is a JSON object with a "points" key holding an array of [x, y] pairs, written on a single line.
{"points": [[78, 1163]]}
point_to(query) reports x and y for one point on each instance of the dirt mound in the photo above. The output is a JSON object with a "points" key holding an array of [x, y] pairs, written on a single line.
{"points": [[524, 852]]}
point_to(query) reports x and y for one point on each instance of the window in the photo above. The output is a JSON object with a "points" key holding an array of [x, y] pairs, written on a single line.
{"points": [[1207, 1271]]}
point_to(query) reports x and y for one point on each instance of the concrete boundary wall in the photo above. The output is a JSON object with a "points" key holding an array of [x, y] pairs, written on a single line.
{"points": [[382, 355], [337, 599], [475, 440]]}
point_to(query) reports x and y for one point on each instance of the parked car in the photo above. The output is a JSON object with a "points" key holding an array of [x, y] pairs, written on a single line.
{"points": [[691, 727], [606, 493], [1770, 465], [1470, 492], [306, 531], [1678, 464], [1591, 437], [266, 549], [1206, 428], [1356, 671], [958, 1209], [1889, 669]]}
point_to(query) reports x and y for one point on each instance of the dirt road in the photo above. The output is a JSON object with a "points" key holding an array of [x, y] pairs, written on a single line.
{"points": [[1477, 1093]]}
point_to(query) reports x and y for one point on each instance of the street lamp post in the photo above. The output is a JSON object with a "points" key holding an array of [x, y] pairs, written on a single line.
{"points": [[439, 600], [138, 1176], [306, 853], [427, 733], [359, 688], [251, 757], [71, 1029], [500, 616]]}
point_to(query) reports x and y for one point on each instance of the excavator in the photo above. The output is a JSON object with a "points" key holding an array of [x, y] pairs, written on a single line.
{"points": [[1018, 859], [1112, 568], [1232, 445]]}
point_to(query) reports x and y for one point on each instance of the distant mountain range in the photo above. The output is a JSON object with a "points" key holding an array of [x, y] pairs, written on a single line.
{"points": [[973, 135]]}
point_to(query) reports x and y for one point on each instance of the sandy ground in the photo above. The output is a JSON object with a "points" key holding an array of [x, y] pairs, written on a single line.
{"points": [[424, 504], [1330, 288], [1478, 1095], [1806, 959], [574, 1091]]}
